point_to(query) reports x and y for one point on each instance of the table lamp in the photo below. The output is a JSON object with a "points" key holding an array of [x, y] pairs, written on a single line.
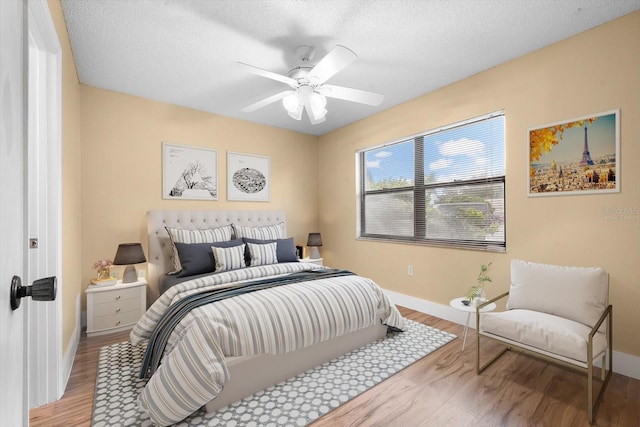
{"points": [[129, 254], [313, 241]]}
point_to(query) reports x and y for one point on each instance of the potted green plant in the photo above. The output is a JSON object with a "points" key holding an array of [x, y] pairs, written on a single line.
{"points": [[476, 293]]}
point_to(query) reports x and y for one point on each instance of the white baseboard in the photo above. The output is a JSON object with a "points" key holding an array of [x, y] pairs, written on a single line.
{"points": [[70, 354], [623, 363], [626, 364]]}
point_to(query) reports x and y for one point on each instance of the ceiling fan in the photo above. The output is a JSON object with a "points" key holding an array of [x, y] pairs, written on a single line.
{"points": [[308, 91]]}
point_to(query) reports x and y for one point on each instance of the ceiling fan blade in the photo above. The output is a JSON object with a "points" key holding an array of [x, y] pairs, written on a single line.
{"points": [[336, 60], [349, 94], [271, 75], [309, 110], [267, 101]]}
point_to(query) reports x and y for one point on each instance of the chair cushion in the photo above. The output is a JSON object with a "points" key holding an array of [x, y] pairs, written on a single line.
{"points": [[544, 331], [576, 293]]}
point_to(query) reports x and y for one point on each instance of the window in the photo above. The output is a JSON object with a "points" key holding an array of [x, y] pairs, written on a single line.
{"points": [[444, 187]]}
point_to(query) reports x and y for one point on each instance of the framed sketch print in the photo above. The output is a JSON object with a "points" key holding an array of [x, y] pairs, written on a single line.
{"points": [[189, 173], [247, 177], [578, 156]]}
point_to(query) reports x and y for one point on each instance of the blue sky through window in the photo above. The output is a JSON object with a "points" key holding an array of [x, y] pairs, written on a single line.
{"points": [[475, 150]]}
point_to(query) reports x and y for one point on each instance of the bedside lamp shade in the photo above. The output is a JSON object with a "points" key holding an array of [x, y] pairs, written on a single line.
{"points": [[313, 241], [129, 254]]}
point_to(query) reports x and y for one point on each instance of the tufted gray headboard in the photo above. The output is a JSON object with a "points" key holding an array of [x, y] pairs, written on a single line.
{"points": [[160, 250]]}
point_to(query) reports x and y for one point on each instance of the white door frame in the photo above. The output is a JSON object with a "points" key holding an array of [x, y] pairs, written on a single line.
{"points": [[47, 379]]}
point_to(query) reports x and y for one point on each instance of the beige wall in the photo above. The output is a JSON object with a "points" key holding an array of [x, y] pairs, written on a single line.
{"points": [[590, 73], [122, 168], [69, 285]]}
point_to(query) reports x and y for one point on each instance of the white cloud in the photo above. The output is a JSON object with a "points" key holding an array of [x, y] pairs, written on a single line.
{"points": [[383, 154], [440, 164], [373, 164], [462, 147]]}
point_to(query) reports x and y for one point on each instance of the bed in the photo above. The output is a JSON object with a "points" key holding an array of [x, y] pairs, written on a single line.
{"points": [[238, 356]]}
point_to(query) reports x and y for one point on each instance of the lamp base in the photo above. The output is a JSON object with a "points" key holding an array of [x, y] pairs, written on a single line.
{"points": [[315, 253], [130, 274]]}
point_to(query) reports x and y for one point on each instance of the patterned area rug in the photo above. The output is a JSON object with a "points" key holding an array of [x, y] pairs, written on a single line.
{"points": [[295, 402]]}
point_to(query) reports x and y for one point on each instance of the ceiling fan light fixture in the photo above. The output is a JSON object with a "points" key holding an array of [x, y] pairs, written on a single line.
{"points": [[297, 114], [291, 102], [318, 102]]}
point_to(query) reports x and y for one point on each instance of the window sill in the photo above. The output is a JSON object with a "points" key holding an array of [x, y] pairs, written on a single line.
{"points": [[487, 248]]}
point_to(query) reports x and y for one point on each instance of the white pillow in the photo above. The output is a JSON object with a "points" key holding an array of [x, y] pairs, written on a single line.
{"points": [[577, 293], [267, 232], [262, 254], [228, 258], [209, 235]]}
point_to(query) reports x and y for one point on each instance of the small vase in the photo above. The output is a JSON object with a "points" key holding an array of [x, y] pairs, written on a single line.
{"points": [[480, 297], [104, 273]]}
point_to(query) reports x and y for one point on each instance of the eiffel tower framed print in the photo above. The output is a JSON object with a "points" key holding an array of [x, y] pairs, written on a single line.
{"points": [[577, 156]]}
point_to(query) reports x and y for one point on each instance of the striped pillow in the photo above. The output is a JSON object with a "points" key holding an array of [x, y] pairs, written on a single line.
{"points": [[228, 258], [268, 232], [209, 235], [262, 254]]}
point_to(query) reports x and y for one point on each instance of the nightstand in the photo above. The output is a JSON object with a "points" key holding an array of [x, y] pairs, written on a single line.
{"points": [[312, 260], [115, 308]]}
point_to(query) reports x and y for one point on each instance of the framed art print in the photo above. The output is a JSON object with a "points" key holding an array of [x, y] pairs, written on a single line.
{"points": [[578, 156], [247, 177], [189, 173]]}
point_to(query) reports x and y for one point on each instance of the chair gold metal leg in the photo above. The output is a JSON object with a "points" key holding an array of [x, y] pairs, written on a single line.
{"points": [[590, 389], [493, 359], [479, 369], [605, 373]]}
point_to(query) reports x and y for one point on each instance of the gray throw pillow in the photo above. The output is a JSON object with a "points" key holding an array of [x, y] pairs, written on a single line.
{"points": [[285, 249], [197, 258]]}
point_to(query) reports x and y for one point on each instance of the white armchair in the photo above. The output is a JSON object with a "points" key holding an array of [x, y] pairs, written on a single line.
{"points": [[557, 313]]}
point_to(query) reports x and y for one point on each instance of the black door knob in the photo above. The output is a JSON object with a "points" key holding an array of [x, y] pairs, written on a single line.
{"points": [[40, 290]]}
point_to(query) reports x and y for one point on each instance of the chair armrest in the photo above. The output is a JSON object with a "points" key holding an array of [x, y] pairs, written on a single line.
{"points": [[607, 312], [478, 307]]}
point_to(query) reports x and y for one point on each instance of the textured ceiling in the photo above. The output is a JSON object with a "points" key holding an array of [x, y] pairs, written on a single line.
{"points": [[186, 52]]}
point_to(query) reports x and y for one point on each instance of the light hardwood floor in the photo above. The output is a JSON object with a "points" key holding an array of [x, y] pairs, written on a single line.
{"points": [[439, 390]]}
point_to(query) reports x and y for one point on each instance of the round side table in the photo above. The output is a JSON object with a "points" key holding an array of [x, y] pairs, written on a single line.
{"points": [[458, 305]]}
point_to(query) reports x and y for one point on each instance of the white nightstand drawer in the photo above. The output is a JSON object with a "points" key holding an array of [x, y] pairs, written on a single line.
{"points": [[115, 320], [116, 307], [115, 294]]}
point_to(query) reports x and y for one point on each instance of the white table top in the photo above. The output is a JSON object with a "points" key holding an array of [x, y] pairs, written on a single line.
{"points": [[457, 304]]}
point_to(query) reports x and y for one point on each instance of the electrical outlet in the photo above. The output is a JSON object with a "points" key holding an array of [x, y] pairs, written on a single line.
{"points": [[410, 270], [142, 273]]}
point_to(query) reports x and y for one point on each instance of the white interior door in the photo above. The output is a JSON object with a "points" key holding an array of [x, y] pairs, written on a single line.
{"points": [[43, 202], [13, 387]]}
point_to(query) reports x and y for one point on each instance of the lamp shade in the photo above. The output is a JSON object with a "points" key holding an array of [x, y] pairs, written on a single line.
{"points": [[129, 253], [314, 239]]}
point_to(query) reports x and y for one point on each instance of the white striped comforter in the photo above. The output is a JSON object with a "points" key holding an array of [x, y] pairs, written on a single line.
{"points": [[270, 321]]}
